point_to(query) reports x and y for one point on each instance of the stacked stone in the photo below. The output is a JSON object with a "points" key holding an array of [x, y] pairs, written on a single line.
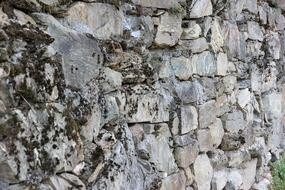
{"points": [[140, 94]]}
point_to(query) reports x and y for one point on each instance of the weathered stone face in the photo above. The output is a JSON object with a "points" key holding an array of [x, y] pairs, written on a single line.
{"points": [[203, 172], [189, 119], [101, 20], [78, 70], [234, 122], [169, 30], [234, 41], [207, 114], [201, 8], [141, 94]]}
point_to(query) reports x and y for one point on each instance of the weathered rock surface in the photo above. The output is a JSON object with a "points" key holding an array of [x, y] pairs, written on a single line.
{"points": [[201, 8], [189, 119], [101, 20], [169, 30], [141, 94], [203, 172]]}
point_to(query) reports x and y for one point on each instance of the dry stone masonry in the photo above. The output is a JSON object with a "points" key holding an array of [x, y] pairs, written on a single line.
{"points": [[141, 94]]}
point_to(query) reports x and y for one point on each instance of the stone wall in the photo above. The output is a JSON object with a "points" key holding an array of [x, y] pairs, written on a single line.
{"points": [[141, 94]]}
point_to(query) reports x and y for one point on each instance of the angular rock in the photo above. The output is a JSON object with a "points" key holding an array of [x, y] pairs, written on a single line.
{"points": [[234, 41], [229, 83], [235, 9], [222, 64], [223, 105], [8, 169], [254, 49], [262, 10], [244, 98], [111, 80], [157, 146], [205, 64], [254, 31], [251, 6], [231, 142], [78, 70], [174, 181], [219, 180], [92, 127], [256, 79], [189, 119], [199, 45], [64, 181], [189, 176], [200, 8], [274, 45], [234, 180], [217, 132], [234, 122], [146, 106], [207, 114], [218, 158], [100, 19], [169, 30], [205, 140], [203, 172], [248, 174], [272, 106], [186, 155], [280, 21], [23, 18], [217, 40], [191, 33], [183, 140], [263, 184], [186, 92], [140, 31], [182, 67]]}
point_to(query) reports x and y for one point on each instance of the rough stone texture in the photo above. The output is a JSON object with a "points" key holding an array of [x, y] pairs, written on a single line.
{"points": [[201, 8], [182, 67], [191, 33], [189, 119], [203, 172], [101, 20], [217, 132], [248, 174], [254, 31], [205, 63], [217, 40], [222, 64], [78, 70], [234, 122], [141, 94], [186, 155], [207, 114], [205, 140], [169, 30], [175, 181], [219, 179]]}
